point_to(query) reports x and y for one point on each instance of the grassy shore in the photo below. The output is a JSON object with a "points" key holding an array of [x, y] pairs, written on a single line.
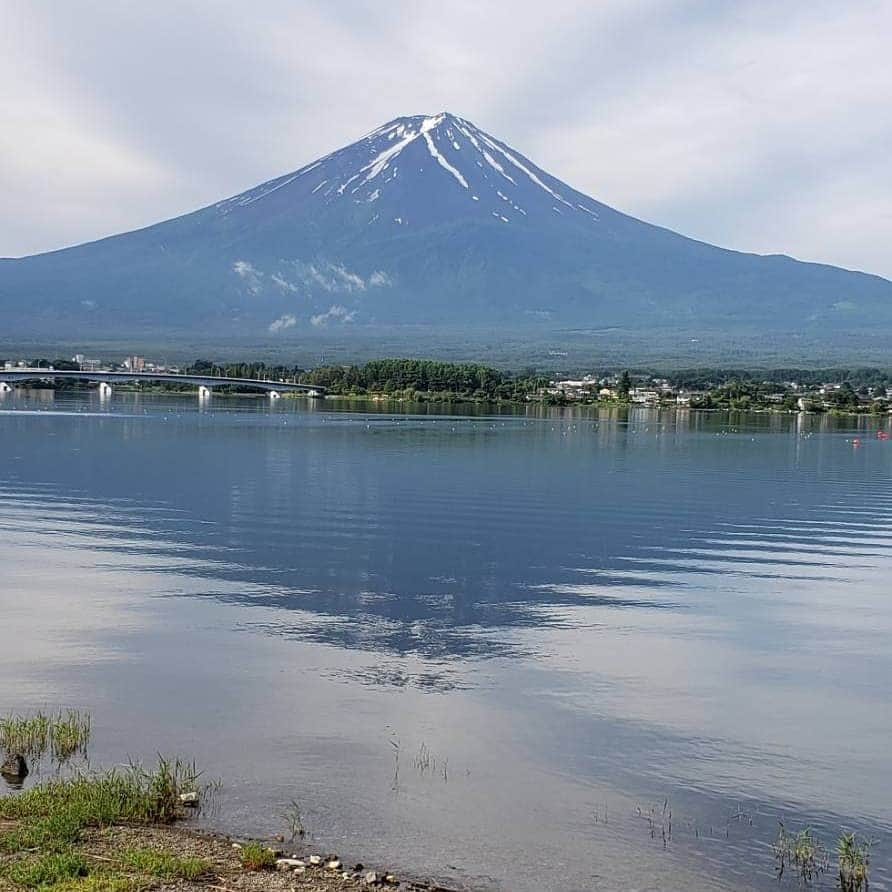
{"points": [[127, 830]]}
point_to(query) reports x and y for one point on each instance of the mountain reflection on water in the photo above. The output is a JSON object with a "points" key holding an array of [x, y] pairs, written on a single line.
{"points": [[583, 607]]}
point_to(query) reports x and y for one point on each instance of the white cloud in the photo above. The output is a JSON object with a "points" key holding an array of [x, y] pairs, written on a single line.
{"points": [[332, 277], [281, 282], [283, 322], [335, 313], [379, 279], [251, 276], [336, 278]]}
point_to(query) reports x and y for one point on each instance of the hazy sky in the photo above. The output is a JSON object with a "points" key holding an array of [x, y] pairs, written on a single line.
{"points": [[763, 126]]}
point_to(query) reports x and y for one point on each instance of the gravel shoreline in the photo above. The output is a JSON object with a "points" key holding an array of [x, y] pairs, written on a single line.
{"points": [[296, 868]]}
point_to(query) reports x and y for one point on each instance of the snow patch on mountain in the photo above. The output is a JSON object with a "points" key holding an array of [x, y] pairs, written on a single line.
{"points": [[442, 161], [521, 166], [460, 149], [380, 163]]}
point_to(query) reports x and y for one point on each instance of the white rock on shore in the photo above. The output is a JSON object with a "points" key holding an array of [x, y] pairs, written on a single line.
{"points": [[289, 863]]}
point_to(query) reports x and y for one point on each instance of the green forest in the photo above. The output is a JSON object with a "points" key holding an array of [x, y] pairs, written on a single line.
{"points": [[415, 378]]}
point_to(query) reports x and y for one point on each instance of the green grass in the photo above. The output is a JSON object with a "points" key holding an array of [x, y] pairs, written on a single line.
{"points": [[52, 833], [51, 817], [47, 869], [255, 856], [69, 871], [165, 865], [162, 787], [104, 882], [60, 808], [39, 851]]}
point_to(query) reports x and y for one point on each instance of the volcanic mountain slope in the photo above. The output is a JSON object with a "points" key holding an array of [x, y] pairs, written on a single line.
{"points": [[426, 220]]}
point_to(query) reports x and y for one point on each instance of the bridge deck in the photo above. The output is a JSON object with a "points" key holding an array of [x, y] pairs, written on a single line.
{"points": [[11, 376]]}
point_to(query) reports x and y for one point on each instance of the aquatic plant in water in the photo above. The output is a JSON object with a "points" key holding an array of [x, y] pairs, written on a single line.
{"points": [[854, 863], [28, 735], [801, 851], [69, 734], [294, 820], [63, 734]]}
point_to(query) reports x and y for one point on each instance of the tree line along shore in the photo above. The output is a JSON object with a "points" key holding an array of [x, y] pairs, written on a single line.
{"points": [[842, 390]]}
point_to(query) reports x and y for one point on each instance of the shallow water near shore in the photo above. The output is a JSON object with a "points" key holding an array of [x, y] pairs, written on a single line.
{"points": [[552, 650]]}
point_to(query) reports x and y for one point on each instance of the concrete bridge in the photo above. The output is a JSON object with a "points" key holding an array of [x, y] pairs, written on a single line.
{"points": [[204, 383]]}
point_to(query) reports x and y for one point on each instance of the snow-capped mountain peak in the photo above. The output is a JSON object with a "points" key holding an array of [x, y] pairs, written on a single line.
{"points": [[425, 221], [413, 167]]}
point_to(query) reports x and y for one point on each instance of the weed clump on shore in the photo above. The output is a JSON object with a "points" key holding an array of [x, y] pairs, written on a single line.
{"points": [[255, 856]]}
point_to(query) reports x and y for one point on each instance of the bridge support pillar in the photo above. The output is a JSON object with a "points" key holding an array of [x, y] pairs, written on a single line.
{"points": [[274, 395], [4, 387], [105, 389], [204, 393]]}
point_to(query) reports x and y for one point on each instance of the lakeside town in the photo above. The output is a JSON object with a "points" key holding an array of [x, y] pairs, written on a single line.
{"points": [[866, 390], [741, 391]]}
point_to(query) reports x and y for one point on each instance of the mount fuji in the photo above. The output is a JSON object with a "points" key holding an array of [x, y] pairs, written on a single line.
{"points": [[426, 221]]}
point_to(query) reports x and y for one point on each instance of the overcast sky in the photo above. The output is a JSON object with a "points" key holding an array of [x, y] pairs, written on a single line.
{"points": [[763, 126]]}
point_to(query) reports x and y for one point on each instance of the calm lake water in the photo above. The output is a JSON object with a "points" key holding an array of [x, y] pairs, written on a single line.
{"points": [[483, 648]]}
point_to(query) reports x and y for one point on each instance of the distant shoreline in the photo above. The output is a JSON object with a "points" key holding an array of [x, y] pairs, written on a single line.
{"points": [[434, 398], [785, 390]]}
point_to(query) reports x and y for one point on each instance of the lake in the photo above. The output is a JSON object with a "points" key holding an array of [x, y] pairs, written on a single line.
{"points": [[562, 649]]}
